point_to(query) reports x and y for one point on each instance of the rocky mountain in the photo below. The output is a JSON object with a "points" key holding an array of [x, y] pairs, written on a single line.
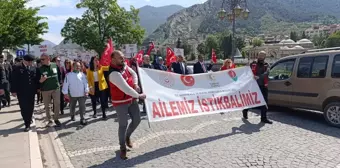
{"points": [[195, 22], [152, 17]]}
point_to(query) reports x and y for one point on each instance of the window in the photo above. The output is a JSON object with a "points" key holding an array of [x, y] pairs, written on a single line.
{"points": [[282, 70], [304, 67], [312, 67], [336, 67]]}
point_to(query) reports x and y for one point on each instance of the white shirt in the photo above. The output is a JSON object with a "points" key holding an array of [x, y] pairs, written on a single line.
{"points": [[75, 84], [95, 75], [183, 67], [117, 79]]}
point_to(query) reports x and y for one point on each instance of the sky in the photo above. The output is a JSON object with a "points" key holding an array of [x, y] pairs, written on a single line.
{"points": [[58, 11]]}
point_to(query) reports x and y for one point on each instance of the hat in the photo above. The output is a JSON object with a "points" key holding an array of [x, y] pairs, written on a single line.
{"points": [[29, 58]]}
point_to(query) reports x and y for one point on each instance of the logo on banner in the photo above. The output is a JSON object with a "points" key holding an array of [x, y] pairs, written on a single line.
{"points": [[232, 75], [212, 77], [188, 80], [166, 80]]}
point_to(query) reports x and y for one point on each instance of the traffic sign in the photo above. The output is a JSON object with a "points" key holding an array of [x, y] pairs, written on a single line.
{"points": [[20, 53]]}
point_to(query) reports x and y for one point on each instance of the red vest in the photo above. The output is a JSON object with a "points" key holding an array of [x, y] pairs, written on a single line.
{"points": [[254, 69], [118, 97]]}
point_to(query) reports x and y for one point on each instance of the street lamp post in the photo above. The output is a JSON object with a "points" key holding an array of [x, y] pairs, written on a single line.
{"points": [[236, 11]]}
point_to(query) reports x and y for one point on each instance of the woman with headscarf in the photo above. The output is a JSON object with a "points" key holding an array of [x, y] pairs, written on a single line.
{"points": [[159, 64]]}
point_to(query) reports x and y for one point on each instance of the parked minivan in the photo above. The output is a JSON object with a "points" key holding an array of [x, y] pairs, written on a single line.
{"points": [[308, 81]]}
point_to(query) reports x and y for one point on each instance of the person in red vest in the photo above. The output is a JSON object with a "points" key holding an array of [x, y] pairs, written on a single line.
{"points": [[124, 94], [261, 71], [227, 64]]}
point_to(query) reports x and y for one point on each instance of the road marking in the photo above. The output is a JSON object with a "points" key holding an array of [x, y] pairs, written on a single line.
{"points": [[143, 140], [151, 136]]}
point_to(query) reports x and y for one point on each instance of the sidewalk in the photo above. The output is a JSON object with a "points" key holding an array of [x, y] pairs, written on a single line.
{"points": [[17, 148]]}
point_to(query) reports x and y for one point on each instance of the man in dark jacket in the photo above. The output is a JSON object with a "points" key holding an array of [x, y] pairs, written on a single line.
{"points": [[180, 66], [6, 101], [201, 67], [24, 85], [261, 71]]}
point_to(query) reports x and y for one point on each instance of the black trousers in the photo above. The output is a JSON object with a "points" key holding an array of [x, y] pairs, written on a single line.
{"points": [[26, 104], [264, 91], [7, 97], [103, 99]]}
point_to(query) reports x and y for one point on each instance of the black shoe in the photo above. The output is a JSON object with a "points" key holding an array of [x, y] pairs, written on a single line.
{"points": [[27, 129], [123, 154], [83, 122], [104, 116], [62, 112], [57, 123], [94, 116], [245, 114], [72, 118], [266, 121]]}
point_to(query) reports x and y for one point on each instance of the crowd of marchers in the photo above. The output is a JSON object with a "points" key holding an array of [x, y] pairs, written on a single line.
{"points": [[56, 86]]}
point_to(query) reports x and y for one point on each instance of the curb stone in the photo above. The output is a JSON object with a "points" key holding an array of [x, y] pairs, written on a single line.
{"points": [[58, 147]]}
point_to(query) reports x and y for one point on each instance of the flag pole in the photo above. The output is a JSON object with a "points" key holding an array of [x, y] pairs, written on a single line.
{"points": [[141, 83]]}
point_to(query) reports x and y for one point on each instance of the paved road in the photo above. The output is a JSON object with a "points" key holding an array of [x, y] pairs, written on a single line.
{"points": [[296, 139]]}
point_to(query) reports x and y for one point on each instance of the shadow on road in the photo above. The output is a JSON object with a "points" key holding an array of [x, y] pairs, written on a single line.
{"points": [[308, 120], [246, 128]]}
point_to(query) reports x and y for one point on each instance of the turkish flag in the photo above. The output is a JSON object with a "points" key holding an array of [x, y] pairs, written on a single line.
{"points": [[127, 62], [139, 57], [213, 56], [170, 56], [151, 46], [105, 59]]}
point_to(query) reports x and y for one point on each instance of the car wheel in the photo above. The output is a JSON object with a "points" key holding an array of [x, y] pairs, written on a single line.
{"points": [[332, 113]]}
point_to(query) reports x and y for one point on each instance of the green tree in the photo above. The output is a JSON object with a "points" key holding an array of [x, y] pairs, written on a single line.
{"points": [[333, 40], [201, 48], [103, 19], [19, 25], [319, 40], [293, 36], [187, 48], [212, 42], [239, 42], [303, 36], [257, 42], [226, 46]]}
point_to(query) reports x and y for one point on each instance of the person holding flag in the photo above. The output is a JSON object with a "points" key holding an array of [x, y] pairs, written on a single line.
{"points": [[170, 58]]}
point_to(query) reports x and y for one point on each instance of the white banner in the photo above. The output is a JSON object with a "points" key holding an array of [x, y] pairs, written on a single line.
{"points": [[173, 96]]}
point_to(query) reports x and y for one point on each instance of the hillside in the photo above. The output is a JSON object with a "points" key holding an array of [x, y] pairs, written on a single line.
{"points": [[195, 22], [152, 17]]}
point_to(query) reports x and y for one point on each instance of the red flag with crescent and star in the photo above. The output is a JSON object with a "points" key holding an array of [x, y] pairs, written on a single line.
{"points": [[151, 47], [139, 57], [170, 56], [213, 56], [105, 59]]}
